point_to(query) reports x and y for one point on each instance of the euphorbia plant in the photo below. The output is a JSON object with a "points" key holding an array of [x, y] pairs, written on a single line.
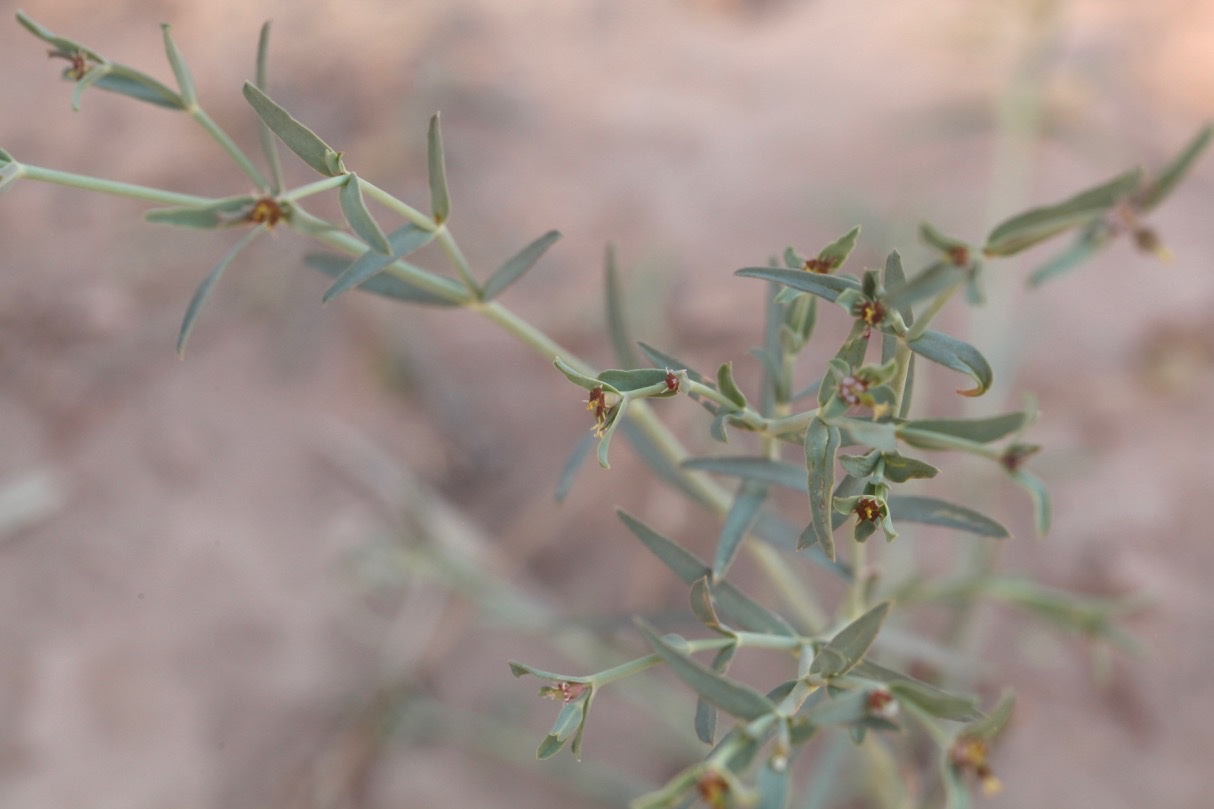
{"points": [[847, 439]]}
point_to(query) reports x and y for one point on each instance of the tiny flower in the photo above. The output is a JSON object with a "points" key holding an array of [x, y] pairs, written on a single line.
{"points": [[603, 412], [869, 509], [881, 704], [972, 754], [265, 211], [1015, 455], [871, 513], [564, 691], [959, 255], [1147, 240], [79, 63], [672, 381], [852, 389], [713, 789], [822, 266], [871, 312]]}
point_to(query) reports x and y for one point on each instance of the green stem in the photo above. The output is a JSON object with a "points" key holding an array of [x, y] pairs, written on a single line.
{"points": [[903, 355], [788, 425], [532, 337], [447, 242], [395, 205], [856, 594], [114, 188], [313, 188]]}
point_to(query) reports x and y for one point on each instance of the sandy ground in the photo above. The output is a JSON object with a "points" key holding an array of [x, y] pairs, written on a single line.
{"points": [[207, 600]]}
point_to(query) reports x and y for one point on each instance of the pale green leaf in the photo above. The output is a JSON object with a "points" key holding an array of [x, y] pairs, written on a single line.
{"points": [[1027, 229], [299, 139], [185, 82], [824, 286], [821, 445], [203, 293], [440, 200], [731, 696], [354, 207], [393, 286], [520, 263], [849, 646], [930, 511], [957, 355], [738, 521], [403, 241]]}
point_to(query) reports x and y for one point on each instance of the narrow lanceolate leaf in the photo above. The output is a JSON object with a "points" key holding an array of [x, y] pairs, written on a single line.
{"points": [[403, 241], [706, 712], [835, 253], [953, 353], [774, 784], [223, 213], [440, 201], [930, 511], [878, 434], [1174, 172], [934, 238], [738, 521], [937, 702], [848, 648], [203, 293], [663, 360], [1089, 242], [578, 378], [1036, 225], [683, 563], [299, 139], [361, 222], [567, 722], [737, 607], [919, 432], [735, 698], [617, 322], [581, 452], [518, 264], [934, 279], [1040, 496], [634, 379], [127, 81], [899, 468], [761, 469], [52, 39], [392, 286], [824, 286], [727, 386], [991, 726], [269, 146], [185, 82], [821, 445]]}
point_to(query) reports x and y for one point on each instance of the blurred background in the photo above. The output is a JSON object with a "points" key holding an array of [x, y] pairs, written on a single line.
{"points": [[288, 571]]}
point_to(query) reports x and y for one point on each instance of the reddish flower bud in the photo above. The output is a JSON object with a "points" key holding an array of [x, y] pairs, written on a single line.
{"points": [[972, 754], [713, 789], [869, 509], [265, 211], [820, 266], [881, 704], [959, 255]]}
